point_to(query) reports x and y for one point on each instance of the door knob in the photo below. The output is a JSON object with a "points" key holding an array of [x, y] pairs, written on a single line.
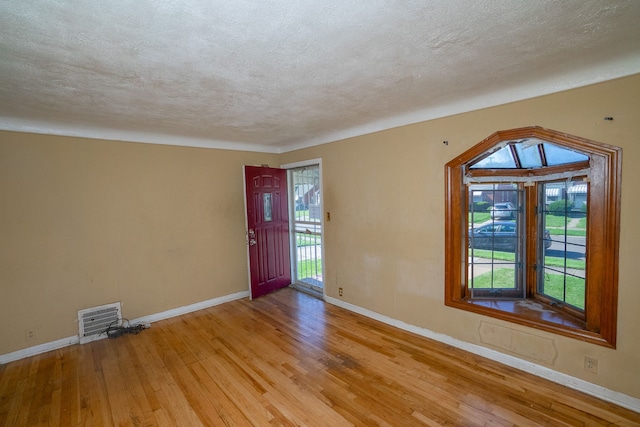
{"points": [[252, 242]]}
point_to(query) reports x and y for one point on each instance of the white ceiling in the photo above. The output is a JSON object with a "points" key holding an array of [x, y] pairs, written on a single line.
{"points": [[275, 75]]}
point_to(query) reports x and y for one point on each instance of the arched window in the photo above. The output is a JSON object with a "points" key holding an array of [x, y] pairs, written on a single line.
{"points": [[532, 232]]}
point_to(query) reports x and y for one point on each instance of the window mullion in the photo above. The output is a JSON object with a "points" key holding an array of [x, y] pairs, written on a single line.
{"points": [[531, 228]]}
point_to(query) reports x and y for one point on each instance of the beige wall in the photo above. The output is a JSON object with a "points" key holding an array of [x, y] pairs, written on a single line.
{"points": [[385, 242], [88, 222]]}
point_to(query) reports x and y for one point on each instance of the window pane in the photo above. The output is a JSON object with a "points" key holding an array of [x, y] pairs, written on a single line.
{"points": [[529, 155], [564, 287], [501, 159], [306, 194], [563, 242], [495, 241], [528, 152], [268, 207], [309, 258], [492, 277], [561, 156]]}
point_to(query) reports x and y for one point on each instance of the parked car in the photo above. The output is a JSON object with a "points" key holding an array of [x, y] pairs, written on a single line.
{"points": [[499, 236], [503, 210]]}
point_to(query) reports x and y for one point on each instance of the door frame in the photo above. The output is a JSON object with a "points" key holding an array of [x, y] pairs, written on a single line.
{"points": [[246, 228], [292, 248]]}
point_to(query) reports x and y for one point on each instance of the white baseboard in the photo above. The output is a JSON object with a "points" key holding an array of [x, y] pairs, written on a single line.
{"points": [[595, 390], [37, 349], [64, 342], [190, 308]]}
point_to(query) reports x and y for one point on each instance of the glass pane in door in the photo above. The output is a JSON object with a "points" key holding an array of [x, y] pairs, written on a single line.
{"points": [[307, 225]]}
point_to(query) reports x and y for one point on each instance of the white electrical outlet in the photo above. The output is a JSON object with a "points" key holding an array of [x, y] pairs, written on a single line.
{"points": [[591, 364]]}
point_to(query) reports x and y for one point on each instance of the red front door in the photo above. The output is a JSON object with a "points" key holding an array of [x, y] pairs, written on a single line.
{"points": [[268, 229]]}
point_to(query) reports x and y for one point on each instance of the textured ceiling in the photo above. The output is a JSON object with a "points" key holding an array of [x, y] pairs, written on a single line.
{"points": [[273, 75]]}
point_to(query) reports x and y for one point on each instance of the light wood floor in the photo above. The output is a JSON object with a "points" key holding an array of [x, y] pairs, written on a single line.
{"points": [[285, 359]]}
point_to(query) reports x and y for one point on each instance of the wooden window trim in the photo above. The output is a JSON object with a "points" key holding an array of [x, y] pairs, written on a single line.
{"points": [[603, 234]]}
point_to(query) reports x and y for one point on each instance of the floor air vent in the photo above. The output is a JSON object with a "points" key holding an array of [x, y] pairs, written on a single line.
{"points": [[93, 321]]}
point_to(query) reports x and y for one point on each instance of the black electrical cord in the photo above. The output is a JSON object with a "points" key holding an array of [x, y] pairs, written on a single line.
{"points": [[114, 330]]}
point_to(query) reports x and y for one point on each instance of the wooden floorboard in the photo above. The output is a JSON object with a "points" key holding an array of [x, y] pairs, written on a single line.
{"points": [[286, 359]]}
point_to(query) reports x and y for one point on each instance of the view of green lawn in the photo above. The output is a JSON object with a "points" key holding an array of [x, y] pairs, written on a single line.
{"points": [[309, 268], [479, 217], [312, 267], [553, 285], [549, 261], [308, 240]]}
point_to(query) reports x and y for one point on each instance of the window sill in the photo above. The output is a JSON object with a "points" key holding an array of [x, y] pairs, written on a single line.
{"points": [[533, 314]]}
